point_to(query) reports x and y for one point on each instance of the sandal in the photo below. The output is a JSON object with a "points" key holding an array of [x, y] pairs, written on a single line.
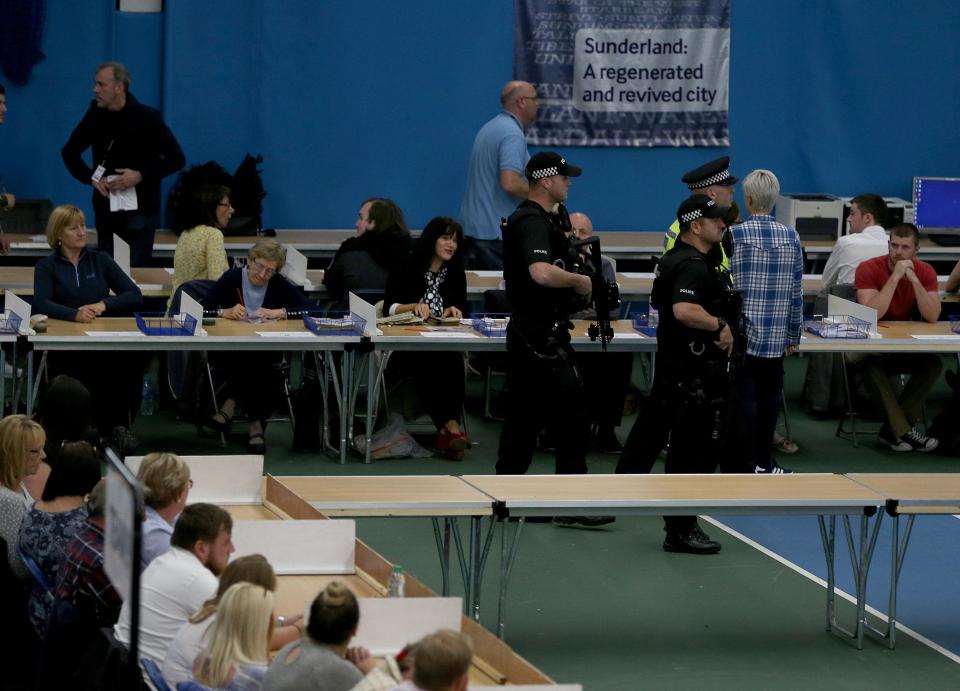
{"points": [[256, 444], [222, 426]]}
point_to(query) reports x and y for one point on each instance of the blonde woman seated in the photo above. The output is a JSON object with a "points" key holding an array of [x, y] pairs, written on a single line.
{"points": [[190, 639], [322, 661], [21, 452], [236, 655], [200, 255]]}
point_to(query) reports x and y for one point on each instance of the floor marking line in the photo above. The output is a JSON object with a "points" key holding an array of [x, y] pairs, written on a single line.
{"points": [[821, 582]]}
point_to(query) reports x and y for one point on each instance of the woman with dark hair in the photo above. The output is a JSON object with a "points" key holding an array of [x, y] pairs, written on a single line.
{"points": [[433, 284], [200, 254], [65, 413], [48, 526], [320, 659], [364, 261]]}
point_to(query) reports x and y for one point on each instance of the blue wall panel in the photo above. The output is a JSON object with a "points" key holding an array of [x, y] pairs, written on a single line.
{"points": [[349, 100]]}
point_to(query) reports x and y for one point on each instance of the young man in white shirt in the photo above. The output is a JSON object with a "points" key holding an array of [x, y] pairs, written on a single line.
{"points": [[865, 239], [178, 582]]}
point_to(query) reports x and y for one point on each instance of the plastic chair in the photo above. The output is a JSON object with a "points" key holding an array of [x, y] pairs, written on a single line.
{"points": [[154, 674]]}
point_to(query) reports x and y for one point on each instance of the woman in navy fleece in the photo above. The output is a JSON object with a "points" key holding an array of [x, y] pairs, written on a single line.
{"points": [[73, 283]]}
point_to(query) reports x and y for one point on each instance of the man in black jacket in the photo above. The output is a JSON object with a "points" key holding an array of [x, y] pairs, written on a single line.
{"points": [[132, 151]]}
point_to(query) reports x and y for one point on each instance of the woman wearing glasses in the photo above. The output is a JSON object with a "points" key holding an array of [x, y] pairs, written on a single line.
{"points": [[256, 292], [200, 254]]}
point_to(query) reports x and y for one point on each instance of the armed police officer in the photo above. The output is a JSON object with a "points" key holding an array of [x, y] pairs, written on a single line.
{"points": [[544, 385], [695, 341]]}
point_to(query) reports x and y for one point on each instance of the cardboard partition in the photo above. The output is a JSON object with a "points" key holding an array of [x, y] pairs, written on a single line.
{"points": [[299, 547], [220, 479]]}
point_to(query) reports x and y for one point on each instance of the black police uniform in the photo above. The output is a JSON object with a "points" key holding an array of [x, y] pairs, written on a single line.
{"points": [[693, 370], [544, 386]]}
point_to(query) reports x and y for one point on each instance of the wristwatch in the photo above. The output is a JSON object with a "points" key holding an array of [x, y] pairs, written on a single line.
{"points": [[281, 620], [721, 322]]}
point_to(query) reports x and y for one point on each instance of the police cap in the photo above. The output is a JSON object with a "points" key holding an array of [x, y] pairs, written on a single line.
{"points": [[716, 172], [549, 163], [699, 206]]}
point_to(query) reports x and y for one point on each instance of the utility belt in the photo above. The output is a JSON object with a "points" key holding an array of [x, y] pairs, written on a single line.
{"points": [[541, 340]]}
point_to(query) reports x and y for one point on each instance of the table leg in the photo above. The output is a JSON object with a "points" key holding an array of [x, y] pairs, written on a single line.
{"points": [[443, 550], [3, 381], [346, 370], [29, 383], [507, 557], [828, 535], [373, 380]]}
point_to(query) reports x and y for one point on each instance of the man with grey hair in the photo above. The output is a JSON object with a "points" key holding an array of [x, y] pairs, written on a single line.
{"points": [[767, 266], [132, 151], [495, 176]]}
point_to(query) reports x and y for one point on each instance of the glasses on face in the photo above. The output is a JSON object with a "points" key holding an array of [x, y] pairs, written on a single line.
{"points": [[260, 268], [225, 205], [190, 483]]}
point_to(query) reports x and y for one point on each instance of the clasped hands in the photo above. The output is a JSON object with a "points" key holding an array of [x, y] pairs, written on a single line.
{"points": [[125, 178]]}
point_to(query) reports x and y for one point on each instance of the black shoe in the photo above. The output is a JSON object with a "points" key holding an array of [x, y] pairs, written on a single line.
{"points": [[696, 542], [583, 521]]}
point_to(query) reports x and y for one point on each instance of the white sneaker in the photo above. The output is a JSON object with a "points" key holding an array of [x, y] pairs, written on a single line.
{"points": [[919, 441], [896, 444], [776, 469]]}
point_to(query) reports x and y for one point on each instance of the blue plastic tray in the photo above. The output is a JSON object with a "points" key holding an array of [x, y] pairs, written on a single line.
{"points": [[159, 324]]}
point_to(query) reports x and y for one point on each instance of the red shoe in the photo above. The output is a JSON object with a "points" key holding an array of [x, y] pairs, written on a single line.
{"points": [[454, 455], [451, 441]]}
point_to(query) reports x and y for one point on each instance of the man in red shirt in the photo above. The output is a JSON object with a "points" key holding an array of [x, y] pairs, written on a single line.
{"points": [[901, 288]]}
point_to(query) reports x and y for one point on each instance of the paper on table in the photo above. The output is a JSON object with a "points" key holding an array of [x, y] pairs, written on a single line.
{"points": [[284, 334], [122, 200], [116, 334], [449, 334], [149, 286], [38, 238], [628, 334], [936, 337]]}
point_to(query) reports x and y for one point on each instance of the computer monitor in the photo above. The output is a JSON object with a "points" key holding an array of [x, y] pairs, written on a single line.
{"points": [[937, 205]]}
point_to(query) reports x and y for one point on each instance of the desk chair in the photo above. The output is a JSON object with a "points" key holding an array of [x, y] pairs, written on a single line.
{"points": [[154, 674]]}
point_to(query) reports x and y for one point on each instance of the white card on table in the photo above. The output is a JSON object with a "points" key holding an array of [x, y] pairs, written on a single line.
{"points": [[16, 305]]}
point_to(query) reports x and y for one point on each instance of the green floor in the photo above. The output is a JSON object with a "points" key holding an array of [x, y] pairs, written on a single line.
{"points": [[609, 609]]}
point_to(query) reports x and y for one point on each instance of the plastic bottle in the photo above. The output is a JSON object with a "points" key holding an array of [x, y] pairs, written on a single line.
{"points": [[396, 584], [148, 396]]}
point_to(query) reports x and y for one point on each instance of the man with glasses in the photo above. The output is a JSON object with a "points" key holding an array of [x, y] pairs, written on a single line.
{"points": [[495, 177], [132, 150]]}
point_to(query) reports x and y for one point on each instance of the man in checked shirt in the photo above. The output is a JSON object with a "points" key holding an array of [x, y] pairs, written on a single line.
{"points": [[767, 266]]}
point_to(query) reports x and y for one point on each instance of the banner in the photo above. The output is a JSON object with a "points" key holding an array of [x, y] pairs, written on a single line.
{"points": [[625, 72]]}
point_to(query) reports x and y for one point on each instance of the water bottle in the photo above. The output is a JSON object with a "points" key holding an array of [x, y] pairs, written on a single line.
{"points": [[653, 318], [396, 584], [148, 396]]}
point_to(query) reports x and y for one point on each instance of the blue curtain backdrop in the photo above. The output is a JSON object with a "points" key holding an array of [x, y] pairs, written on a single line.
{"points": [[349, 100]]}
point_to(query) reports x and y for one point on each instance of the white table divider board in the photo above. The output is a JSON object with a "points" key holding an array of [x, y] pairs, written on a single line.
{"points": [[389, 623], [305, 547], [533, 687], [220, 479]]}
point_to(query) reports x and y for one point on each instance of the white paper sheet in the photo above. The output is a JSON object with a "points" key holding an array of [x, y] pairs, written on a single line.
{"points": [[449, 334], [122, 200], [936, 337], [116, 334], [284, 334]]}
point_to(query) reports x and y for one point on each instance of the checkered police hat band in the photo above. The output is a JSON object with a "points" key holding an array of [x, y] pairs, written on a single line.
{"points": [[691, 216], [714, 179], [544, 173]]}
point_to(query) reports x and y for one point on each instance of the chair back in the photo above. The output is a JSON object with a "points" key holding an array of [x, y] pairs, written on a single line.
{"points": [[154, 674], [198, 290]]}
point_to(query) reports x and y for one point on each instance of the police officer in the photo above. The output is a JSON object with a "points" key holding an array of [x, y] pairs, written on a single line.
{"points": [[544, 385], [694, 345], [649, 433]]}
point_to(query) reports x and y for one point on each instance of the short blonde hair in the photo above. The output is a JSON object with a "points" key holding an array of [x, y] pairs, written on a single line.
{"points": [[442, 657], [17, 433], [239, 635], [60, 219], [164, 476], [269, 249]]}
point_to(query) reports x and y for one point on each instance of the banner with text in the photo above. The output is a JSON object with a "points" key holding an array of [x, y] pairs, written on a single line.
{"points": [[626, 72]]}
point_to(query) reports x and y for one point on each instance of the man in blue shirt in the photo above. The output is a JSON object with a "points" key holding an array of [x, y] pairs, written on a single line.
{"points": [[767, 266], [495, 177]]}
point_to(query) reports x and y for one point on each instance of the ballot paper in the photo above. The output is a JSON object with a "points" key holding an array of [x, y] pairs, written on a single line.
{"points": [[122, 200]]}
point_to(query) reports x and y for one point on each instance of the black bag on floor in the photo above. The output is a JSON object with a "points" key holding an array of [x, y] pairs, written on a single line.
{"points": [[307, 408], [944, 426]]}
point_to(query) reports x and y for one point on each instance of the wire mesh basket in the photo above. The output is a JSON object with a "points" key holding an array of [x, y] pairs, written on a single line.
{"points": [[335, 324], [492, 325], [645, 323], [10, 323], [839, 326], [160, 324]]}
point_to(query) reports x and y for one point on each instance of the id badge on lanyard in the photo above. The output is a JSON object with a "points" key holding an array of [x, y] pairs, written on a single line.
{"points": [[101, 169]]}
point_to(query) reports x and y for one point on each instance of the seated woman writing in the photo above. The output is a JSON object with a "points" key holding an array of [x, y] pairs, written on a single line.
{"points": [[433, 283], [74, 283], [253, 293], [200, 255]]}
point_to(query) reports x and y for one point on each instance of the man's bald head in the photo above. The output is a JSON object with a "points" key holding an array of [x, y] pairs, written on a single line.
{"points": [[520, 98], [581, 224]]}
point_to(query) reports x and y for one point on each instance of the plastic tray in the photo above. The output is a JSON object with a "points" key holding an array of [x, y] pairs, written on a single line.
{"points": [[840, 326], [641, 323], [159, 324], [10, 323], [492, 325], [955, 325], [334, 324]]}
